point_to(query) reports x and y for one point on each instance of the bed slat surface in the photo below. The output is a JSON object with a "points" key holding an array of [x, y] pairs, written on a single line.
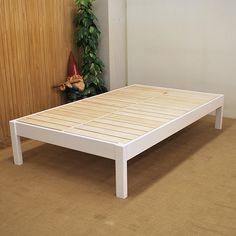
{"points": [[122, 115]]}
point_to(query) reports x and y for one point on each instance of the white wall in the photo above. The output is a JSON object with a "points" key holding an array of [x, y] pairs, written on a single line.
{"points": [[188, 44], [101, 12], [111, 16], [117, 43]]}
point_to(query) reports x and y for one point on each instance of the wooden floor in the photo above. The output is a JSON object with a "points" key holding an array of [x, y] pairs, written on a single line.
{"points": [[122, 115]]}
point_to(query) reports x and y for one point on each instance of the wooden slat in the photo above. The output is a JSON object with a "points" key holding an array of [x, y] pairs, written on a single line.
{"points": [[119, 116], [104, 101], [44, 124], [134, 120], [107, 120], [145, 117], [148, 113], [173, 103], [80, 119], [165, 113], [82, 111], [77, 113], [53, 120], [87, 109], [123, 97], [94, 107], [188, 97], [170, 107], [118, 134], [130, 94], [103, 105], [115, 128], [98, 136], [126, 101], [61, 117], [184, 102]]}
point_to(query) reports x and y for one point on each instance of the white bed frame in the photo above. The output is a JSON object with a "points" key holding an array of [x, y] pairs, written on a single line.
{"points": [[122, 152]]}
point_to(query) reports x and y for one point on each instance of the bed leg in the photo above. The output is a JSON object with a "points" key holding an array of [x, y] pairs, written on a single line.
{"points": [[219, 118], [16, 145], [121, 174]]}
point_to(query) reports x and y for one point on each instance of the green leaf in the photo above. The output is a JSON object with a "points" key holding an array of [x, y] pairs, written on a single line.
{"points": [[87, 37]]}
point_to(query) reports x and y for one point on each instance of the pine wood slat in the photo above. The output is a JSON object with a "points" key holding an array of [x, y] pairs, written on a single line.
{"points": [[129, 114], [87, 109], [61, 117], [115, 128], [188, 97], [109, 120], [94, 107], [127, 100], [148, 113], [135, 120], [44, 124], [112, 102], [146, 91], [123, 97], [159, 111], [79, 111], [177, 101], [52, 120], [55, 120], [103, 104], [64, 113], [172, 102], [104, 137], [167, 91], [118, 134], [173, 107], [130, 94], [122, 115]]}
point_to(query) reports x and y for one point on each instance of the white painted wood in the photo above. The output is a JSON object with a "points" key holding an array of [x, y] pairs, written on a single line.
{"points": [[16, 144], [156, 135], [72, 141], [219, 118], [121, 173]]}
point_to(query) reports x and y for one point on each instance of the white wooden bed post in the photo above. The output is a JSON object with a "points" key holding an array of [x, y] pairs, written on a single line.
{"points": [[16, 144], [219, 118], [121, 173]]}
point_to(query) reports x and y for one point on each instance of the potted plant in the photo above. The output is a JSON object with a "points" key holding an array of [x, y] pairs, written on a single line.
{"points": [[86, 37]]}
